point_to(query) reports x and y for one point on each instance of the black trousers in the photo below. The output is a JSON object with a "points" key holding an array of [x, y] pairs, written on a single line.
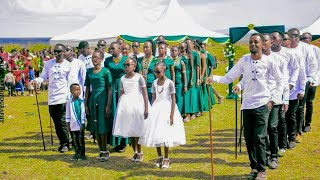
{"points": [[78, 139], [272, 141], [308, 96], [282, 130], [291, 120], [58, 113], [309, 105], [255, 133]]}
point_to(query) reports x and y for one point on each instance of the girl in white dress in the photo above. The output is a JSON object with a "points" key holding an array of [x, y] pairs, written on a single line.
{"points": [[132, 109], [164, 126]]}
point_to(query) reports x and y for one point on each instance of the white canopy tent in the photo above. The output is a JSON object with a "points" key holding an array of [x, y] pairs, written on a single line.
{"points": [[314, 29], [135, 22]]}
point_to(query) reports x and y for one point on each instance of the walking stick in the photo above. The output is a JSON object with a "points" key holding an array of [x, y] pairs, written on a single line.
{"points": [[44, 146], [210, 120], [241, 125], [236, 129], [51, 131]]}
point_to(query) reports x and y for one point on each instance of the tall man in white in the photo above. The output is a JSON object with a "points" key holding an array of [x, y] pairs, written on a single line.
{"points": [[57, 71], [306, 51], [307, 37], [257, 100]]}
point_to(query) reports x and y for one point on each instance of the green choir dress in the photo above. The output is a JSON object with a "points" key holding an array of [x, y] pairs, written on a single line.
{"points": [[203, 92], [117, 71], [195, 106], [99, 82], [179, 84], [147, 70], [168, 62], [210, 63], [186, 106]]}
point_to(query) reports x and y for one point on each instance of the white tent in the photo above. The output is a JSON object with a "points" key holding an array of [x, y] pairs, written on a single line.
{"points": [[314, 29], [135, 21]]}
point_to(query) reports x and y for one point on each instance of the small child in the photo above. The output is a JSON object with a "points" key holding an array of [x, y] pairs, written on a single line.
{"points": [[164, 127], [75, 117], [31, 77], [9, 80]]}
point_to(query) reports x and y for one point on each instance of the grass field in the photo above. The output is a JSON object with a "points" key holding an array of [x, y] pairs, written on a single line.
{"points": [[22, 155]]}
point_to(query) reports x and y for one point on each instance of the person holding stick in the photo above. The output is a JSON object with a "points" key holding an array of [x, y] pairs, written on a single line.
{"points": [[57, 71], [257, 100]]}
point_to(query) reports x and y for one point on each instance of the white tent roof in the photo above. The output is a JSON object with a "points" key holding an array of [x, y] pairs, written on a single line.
{"points": [[314, 28], [172, 20]]}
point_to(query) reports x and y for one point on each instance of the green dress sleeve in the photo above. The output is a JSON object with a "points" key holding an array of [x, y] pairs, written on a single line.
{"points": [[87, 81], [108, 78]]}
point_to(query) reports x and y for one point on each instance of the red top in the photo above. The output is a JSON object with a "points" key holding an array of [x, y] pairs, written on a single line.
{"points": [[17, 74], [5, 56]]}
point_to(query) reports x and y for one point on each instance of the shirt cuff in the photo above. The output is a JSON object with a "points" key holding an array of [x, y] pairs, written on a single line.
{"points": [[311, 80], [216, 78]]}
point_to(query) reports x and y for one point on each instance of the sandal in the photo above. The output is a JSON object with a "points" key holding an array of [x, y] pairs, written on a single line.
{"points": [[139, 157], [133, 159], [165, 166], [105, 156], [159, 161], [99, 157]]}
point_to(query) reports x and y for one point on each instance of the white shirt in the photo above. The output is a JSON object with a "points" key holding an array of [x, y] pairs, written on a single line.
{"points": [[302, 78], [167, 53], [58, 75], [316, 51], [75, 122], [77, 75], [255, 72], [87, 60], [310, 60]]}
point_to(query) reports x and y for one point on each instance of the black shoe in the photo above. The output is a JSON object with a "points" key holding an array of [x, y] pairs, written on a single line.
{"points": [[274, 163], [307, 129], [122, 150], [253, 174], [75, 157], [82, 157], [292, 144], [116, 149]]}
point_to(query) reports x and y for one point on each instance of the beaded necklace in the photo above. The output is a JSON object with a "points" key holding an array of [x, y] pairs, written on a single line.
{"points": [[159, 92], [176, 61], [145, 64], [117, 60]]}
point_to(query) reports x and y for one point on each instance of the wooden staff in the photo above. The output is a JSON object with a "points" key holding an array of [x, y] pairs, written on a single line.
{"points": [[210, 120], [236, 129], [44, 146], [241, 125]]}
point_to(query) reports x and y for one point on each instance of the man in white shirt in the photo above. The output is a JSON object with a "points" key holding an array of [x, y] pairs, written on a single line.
{"points": [[136, 50], [77, 72], [161, 39], [306, 51], [85, 54], [307, 37], [257, 100], [291, 74], [102, 46], [57, 71]]}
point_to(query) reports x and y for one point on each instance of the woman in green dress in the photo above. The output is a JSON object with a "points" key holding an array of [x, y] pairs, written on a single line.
{"points": [[186, 57], [115, 64], [162, 48], [98, 106], [146, 65], [180, 76], [203, 92], [195, 73]]}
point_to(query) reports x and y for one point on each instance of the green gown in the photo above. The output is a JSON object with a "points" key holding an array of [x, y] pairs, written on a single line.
{"points": [[195, 106], [179, 84], [203, 92], [210, 63], [186, 106], [150, 74], [117, 71], [98, 99]]}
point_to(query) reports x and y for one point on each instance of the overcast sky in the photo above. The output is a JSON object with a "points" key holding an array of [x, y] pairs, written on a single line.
{"points": [[42, 18]]}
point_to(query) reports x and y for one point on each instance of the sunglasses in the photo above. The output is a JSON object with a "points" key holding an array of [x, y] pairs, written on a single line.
{"points": [[157, 72], [304, 38], [57, 51], [127, 65], [295, 35], [101, 45], [285, 39], [134, 46]]}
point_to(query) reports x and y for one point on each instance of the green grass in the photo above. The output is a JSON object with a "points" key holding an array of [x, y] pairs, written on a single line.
{"points": [[22, 155]]}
